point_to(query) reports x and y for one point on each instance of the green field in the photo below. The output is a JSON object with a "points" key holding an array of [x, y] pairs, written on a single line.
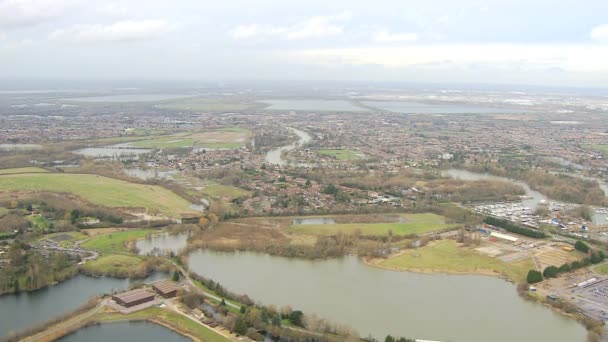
{"points": [[22, 170], [445, 256], [220, 191], [601, 269], [115, 242], [339, 154], [165, 142], [598, 147], [3, 211], [228, 137], [100, 190], [114, 264], [181, 323], [39, 222], [413, 224]]}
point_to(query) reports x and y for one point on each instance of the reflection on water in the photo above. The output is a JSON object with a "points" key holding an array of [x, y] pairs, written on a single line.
{"points": [[275, 156], [465, 308], [159, 244], [425, 108], [314, 220], [125, 331]]}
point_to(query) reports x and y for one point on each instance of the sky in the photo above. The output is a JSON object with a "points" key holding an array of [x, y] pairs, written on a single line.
{"points": [[534, 42]]}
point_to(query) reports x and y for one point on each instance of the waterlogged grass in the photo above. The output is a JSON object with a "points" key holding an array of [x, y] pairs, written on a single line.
{"points": [[100, 190], [22, 170], [180, 323], [114, 264], [447, 257], [342, 155], [413, 224], [115, 242], [165, 142]]}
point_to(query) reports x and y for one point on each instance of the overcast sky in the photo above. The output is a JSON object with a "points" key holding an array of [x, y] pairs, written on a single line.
{"points": [[547, 42]]}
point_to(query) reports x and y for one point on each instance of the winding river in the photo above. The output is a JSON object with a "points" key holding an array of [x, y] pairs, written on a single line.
{"points": [[275, 156], [465, 308]]}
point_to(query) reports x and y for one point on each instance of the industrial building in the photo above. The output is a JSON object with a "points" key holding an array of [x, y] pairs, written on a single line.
{"points": [[133, 297], [167, 288]]}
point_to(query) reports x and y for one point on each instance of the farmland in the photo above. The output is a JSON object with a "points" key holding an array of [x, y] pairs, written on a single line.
{"points": [[100, 190], [447, 257], [339, 154], [224, 191], [407, 224], [230, 138]]}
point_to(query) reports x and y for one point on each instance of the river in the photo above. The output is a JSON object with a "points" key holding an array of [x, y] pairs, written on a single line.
{"points": [[465, 308], [275, 156], [125, 331], [19, 311]]}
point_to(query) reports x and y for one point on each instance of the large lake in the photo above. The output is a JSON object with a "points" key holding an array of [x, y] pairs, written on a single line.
{"points": [[314, 105], [22, 310], [425, 108], [125, 331], [457, 308], [159, 244]]}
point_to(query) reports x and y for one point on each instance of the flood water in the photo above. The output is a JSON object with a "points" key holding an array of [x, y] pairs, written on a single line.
{"points": [[113, 152], [313, 105], [274, 156], [159, 244], [25, 309], [125, 331], [314, 220], [458, 308], [425, 108], [20, 147]]}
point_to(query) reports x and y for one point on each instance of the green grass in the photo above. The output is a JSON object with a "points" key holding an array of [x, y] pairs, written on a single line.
{"points": [[414, 224], [3, 211], [100, 190], [115, 242], [39, 222], [219, 191], [229, 146], [445, 256], [165, 142], [342, 155], [235, 129], [171, 318], [113, 264], [22, 170], [601, 269], [598, 147]]}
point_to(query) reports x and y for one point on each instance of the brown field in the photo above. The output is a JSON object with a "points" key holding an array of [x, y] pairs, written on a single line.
{"points": [[555, 256]]}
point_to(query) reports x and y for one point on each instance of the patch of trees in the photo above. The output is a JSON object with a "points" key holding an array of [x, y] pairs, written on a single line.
{"points": [[390, 338], [593, 258], [534, 277], [581, 246], [513, 228]]}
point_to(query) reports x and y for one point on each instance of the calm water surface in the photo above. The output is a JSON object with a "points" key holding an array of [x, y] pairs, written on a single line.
{"points": [[25, 309], [274, 156], [425, 108], [454, 308], [158, 244], [128, 98], [125, 331], [313, 105]]}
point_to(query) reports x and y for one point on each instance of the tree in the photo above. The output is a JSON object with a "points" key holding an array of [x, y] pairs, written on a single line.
{"points": [[243, 309], [550, 272], [295, 318], [176, 276], [534, 277], [223, 303], [330, 190], [564, 268], [389, 338], [581, 246], [240, 327]]}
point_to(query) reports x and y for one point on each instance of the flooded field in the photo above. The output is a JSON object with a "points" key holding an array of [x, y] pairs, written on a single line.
{"points": [[425, 108]]}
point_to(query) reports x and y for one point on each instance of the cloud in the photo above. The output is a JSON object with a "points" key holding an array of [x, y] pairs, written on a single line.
{"points": [[23, 13], [126, 30], [313, 27], [600, 33], [387, 37]]}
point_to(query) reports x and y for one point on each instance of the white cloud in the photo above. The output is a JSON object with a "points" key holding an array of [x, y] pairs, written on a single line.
{"points": [[387, 37], [22, 13], [600, 33], [126, 30], [575, 57], [313, 27]]}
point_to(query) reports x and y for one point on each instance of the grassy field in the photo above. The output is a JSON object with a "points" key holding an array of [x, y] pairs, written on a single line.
{"points": [[175, 320], [100, 190], [339, 154], [447, 257], [3, 211], [114, 264], [598, 147], [22, 170], [413, 224], [601, 269], [228, 137], [115, 242], [39, 222], [224, 191]]}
